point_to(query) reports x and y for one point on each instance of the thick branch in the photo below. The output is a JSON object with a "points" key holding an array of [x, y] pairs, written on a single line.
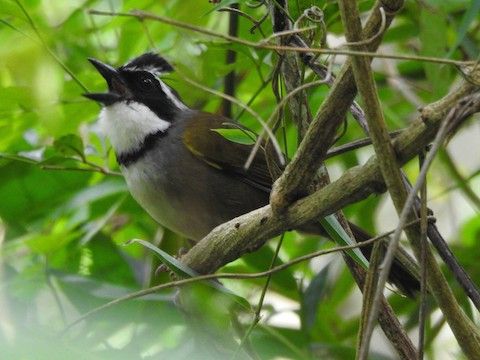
{"points": [[248, 232], [301, 116], [387, 319], [318, 139], [383, 149]]}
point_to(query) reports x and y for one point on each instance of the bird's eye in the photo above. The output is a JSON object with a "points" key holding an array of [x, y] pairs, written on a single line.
{"points": [[147, 83]]}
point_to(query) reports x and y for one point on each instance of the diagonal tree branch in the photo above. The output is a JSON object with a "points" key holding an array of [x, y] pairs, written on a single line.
{"points": [[142, 15], [384, 151], [248, 232], [291, 71], [319, 137]]}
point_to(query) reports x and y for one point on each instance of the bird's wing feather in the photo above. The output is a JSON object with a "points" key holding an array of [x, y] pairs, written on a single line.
{"points": [[203, 141]]}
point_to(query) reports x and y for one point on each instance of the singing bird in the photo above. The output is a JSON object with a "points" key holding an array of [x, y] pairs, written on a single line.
{"points": [[177, 165]]}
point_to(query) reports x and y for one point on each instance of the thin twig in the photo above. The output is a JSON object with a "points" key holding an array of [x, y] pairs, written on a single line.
{"points": [[321, 133], [289, 67], [238, 276], [147, 34], [393, 245], [259, 25], [66, 168], [101, 46], [277, 109], [457, 176], [357, 144], [368, 292], [375, 36], [257, 317], [462, 277], [286, 33], [262, 86], [245, 233], [256, 23], [92, 167], [423, 310], [382, 145], [454, 187], [396, 82], [50, 52], [166, 20], [252, 112], [255, 6], [55, 294]]}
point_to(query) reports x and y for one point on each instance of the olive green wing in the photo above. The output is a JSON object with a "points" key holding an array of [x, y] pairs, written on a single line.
{"points": [[210, 138]]}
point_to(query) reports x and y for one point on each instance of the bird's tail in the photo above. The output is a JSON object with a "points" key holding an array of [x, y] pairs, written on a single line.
{"points": [[404, 272]]}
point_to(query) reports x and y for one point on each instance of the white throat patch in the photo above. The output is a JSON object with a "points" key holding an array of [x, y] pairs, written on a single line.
{"points": [[127, 124]]}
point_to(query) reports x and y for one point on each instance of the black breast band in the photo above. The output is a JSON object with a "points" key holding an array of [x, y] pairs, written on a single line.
{"points": [[148, 143]]}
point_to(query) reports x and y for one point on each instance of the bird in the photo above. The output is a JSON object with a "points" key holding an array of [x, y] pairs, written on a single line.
{"points": [[177, 164]]}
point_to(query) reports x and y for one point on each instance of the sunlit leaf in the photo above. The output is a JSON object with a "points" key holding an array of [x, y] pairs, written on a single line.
{"points": [[239, 136], [338, 234], [468, 18], [63, 220], [69, 145], [184, 271]]}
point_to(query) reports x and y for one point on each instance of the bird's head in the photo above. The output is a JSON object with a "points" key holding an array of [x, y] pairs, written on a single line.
{"points": [[139, 81], [138, 103]]}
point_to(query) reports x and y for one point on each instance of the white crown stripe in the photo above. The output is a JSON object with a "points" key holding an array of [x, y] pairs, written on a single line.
{"points": [[151, 69], [170, 95], [149, 62]]}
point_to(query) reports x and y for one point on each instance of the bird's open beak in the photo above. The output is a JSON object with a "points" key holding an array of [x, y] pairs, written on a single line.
{"points": [[117, 88]]}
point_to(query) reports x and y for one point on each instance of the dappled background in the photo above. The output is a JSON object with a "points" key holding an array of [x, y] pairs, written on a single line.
{"points": [[66, 215]]}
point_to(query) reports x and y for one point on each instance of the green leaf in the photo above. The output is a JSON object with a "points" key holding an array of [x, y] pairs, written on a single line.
{"points": [[283, 282], [433, 35], [237, 135], [14, 98], [92, 193], [16, 157], [313, 295], [98, 224], [468, 18], [173, 264], [184, 271], [57, 239], [69, 145], [106, 290], [338, 234], [29, 193], [470, 231]]}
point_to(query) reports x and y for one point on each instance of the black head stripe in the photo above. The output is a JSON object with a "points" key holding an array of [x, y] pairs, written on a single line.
{"points": [[149, 62]]}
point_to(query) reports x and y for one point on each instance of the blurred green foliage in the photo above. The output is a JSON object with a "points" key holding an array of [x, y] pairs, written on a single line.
{"points": [[65, 214]]}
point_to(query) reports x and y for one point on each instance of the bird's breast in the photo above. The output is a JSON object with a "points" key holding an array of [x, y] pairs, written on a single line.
{"points": [[185, 194], [152, 189]]}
